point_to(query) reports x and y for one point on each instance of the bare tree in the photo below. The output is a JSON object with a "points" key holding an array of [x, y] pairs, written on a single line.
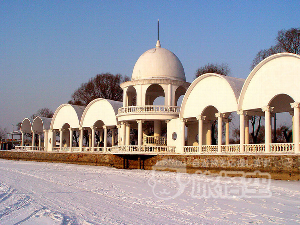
{"points": [[289, 40], [104, 85], [262, 54], [3, 133], [286, 41], [222, 69], [257, 133], [44, 112]]}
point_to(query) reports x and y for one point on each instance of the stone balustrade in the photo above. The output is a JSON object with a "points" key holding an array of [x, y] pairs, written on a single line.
{"points": [[162, 149], [149, 109]]}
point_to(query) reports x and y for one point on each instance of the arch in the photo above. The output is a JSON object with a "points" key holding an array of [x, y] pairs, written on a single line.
{"points": [[209, 112], [26, 126], [154, 91], [40, 124], [131, 96], [281, 103], [179, 92], [67, 113], [211, 90], [277, 74], [66, 126], [99, 124], [100, 109]]}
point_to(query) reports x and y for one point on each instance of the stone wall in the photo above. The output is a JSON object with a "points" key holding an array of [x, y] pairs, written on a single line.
{"points": [[285, 167]]}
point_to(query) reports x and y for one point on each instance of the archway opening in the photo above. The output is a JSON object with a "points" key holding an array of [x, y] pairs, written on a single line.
{"points": [[210, 131], [131, 96], [65, 135], [179, 94], [281, 120], [155, 95], [99, 134]]}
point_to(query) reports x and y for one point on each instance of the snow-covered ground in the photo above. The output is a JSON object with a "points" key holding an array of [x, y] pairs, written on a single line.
{"points": [[54, 193]]}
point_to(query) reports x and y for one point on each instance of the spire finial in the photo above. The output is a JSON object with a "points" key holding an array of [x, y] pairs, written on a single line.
{"points": [[158, 29], [158, 42]]}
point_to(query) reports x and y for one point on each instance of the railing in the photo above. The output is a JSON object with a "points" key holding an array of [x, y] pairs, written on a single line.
{"points": [[155, 140], [143, 149], [210, 148], [206, 149], [282, 147], [86, 149], [149, 109], [75, 149], [230, 148], [29, 148], [65, 149], [191, 149], [98, 149], [55, 149], [254, 148]]}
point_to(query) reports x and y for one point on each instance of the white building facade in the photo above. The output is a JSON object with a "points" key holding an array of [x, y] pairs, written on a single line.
{"points": [[139, 126]]}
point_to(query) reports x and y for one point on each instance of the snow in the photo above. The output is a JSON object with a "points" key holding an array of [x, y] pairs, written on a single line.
{"points": [[54, 193]]}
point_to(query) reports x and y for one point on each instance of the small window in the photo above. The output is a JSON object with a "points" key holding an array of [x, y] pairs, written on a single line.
{"points": [[174, 136]]}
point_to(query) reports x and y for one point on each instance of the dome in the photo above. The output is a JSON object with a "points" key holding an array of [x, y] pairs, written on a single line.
{"points": [[158, 63]]}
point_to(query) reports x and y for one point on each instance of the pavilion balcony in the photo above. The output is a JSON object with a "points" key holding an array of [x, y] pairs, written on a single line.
{"points": [[149, 109], [155, 140]]}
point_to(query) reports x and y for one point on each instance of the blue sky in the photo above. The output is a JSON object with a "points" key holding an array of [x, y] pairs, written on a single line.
{"points": [[48, 48]]}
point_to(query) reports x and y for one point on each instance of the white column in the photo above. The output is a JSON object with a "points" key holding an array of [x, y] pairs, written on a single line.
{"points": [[169, 94], [200, 131], [80, 138], [296, 129], [242, 129], [33, 139], [46, 140], [140, 95], [182, 141], [112, 137], [208, 133], [93, 138], [293, 126], [140, 132], [247, 130], [90, 138], [125, 97], [71, 138], [123, 133], [120, 134], [267, 110], [22, 139], [105, 137], [51, 141], [60, 139], [220, 121], [40, 140], [127, 135], [227, 121]]}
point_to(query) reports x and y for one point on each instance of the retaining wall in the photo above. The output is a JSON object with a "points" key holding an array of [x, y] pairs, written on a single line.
{"points": [[285, 167]]}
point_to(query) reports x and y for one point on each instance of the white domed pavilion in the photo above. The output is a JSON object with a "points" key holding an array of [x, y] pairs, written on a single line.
{"points": [[141, 124]]}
